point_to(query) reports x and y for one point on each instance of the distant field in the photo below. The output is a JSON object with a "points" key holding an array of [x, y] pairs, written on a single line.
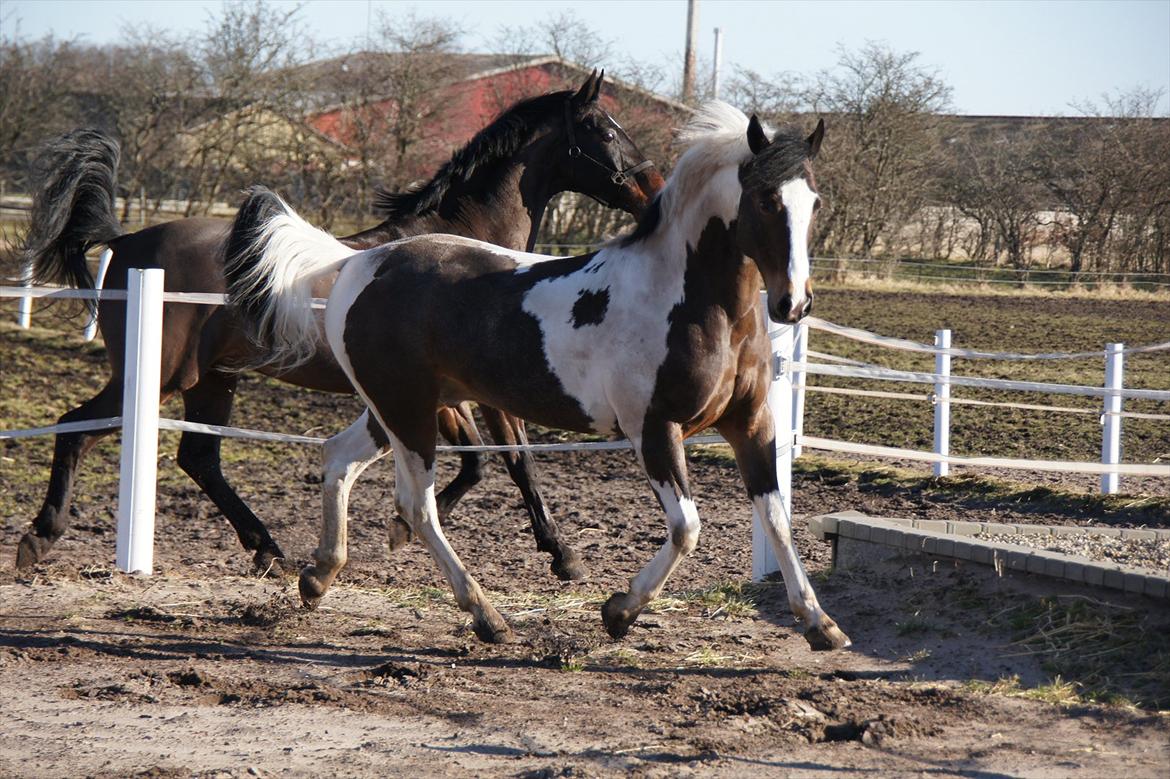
{"points": [[1018, 323]]}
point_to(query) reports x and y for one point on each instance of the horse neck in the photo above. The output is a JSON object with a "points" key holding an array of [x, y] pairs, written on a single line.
{"points": [[717, 274], [502, 203]]}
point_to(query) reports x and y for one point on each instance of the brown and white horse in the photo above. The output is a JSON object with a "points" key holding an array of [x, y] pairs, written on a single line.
{"points": [[656, 336], [495, 188]]}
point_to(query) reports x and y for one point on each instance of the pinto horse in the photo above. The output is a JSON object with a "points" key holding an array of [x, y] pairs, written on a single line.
{"points": [[656, 336], [496, 188]]}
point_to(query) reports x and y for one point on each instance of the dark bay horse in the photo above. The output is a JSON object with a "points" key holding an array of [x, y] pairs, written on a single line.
{"points": [[496, 189], [656, 336]]}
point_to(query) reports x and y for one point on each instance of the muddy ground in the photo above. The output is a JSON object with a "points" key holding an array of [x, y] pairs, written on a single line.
{"points": [[206, 670]]}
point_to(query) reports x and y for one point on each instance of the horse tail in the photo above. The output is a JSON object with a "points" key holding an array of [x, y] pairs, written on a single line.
{"points": [[73, 210], [271, 259]]}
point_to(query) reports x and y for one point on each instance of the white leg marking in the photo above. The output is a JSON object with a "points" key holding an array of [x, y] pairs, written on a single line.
{"points": [[774, 519], [682, 519], [346, 455]]}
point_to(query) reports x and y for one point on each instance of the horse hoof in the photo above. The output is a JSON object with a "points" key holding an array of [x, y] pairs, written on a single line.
{"points": [[311, 588], [617, 616], [569, 568], [826, 636], [31, 550], [398, 533], [269, 563], [493, 634]]}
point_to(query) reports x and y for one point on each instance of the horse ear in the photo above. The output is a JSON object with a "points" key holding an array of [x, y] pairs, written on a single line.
{"points": [[585, 93], [757, 138], [597, 86], [814, 140]]}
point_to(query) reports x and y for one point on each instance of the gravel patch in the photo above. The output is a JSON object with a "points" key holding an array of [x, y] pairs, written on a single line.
{"points": [[1150, 555]]}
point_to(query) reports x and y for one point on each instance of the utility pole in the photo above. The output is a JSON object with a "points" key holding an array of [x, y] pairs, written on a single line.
{"points": [[688, 85], [718, 64]]}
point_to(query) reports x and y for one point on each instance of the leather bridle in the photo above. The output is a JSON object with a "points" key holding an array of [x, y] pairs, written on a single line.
{"points": [[618, 176]]}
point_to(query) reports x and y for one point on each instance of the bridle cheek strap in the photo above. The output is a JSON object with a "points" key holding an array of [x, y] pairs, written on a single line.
{"points": [[618, 176]]}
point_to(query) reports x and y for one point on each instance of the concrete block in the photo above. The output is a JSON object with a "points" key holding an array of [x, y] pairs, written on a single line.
{"points": [[899, 521], [946, 547], [931, 525], [857, 530], [1094, 575], [982, 554], [1018, 561], [964, 528], [1035, 563], [1139, 535], [912, 541], [1034, 530], [1115, 532], [1163, 535], [930, 545], [1067, 530], [964, 550], [1134, 582], [823, 526], [1074, 571], [1114, 579], [1054, 567], [1157, 587]]}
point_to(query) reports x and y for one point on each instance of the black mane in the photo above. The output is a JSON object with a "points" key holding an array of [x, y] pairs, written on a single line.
{"points": [[784, 159], [499, 140]]}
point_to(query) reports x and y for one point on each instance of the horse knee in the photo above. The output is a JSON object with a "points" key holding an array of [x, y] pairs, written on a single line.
{"points": [[684, 532]]}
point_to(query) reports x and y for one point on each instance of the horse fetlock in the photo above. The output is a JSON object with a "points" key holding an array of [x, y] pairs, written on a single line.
{"points": [[825, 636], [398, 534], [618, 613]]}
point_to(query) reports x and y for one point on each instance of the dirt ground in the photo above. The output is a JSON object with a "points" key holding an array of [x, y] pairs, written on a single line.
{"points": [[205, 670]]}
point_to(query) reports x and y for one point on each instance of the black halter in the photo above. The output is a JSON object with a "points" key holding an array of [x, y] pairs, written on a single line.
{"points": [[618, 176]]}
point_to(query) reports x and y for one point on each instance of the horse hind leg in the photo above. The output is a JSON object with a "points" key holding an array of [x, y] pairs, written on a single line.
{"points": [[345, 456], [68, 450], [508, 430], [210, 402], [415, 498]]}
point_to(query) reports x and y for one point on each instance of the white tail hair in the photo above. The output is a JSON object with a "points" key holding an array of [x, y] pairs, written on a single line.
{"points": [[272, 258]]}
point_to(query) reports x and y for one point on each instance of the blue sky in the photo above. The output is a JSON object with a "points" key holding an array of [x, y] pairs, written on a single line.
{"points": [[1035, 57]]}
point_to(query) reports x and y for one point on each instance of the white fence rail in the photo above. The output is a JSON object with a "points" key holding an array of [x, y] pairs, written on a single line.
{"points": [[140, 421]]}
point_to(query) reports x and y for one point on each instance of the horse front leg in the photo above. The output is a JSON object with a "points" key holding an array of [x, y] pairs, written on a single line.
{"points": [[68, 450], [345, 456], [210, 402], [509, 431], [753, 440], [457, 426], [661, 452]]}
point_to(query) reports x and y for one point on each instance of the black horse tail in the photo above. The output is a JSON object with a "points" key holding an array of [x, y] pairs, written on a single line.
{"points": [[73, 210], [271, 258]]}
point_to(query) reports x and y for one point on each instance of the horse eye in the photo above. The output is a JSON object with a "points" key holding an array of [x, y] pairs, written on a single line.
{"points": [[769, 204], [608, 136]]}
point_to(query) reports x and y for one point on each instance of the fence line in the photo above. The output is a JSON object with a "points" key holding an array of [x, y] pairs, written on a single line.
{"points": [[140, 420]]}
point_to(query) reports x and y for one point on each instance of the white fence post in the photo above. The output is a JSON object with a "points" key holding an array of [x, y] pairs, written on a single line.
{"points": [[103, 266], [799, 357], [140, 397], [24, 306], [942, 402], [780, 402], [1111, 418]]}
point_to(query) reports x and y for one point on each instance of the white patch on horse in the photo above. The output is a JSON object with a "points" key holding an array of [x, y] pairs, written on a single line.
{"points": [[682, 519], [798, 199]]}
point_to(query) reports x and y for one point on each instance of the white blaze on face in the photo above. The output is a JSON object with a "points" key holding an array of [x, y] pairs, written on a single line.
{"points": [[798, 199]]}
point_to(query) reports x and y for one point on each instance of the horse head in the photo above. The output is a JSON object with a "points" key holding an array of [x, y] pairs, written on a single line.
{"points": [[776, 211], [602, 161]]}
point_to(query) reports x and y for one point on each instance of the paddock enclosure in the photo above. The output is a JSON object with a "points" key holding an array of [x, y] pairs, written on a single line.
{"points": [[205, 670]]}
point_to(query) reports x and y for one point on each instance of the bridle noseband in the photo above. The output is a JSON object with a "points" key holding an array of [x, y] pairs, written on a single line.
{"points": [[618, 176]]}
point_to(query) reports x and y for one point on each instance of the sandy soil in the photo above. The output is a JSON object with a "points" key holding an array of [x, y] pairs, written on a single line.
{"points": [[205, 670]]}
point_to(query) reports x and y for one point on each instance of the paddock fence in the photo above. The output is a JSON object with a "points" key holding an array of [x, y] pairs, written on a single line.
{"points": [[140, 421]]}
